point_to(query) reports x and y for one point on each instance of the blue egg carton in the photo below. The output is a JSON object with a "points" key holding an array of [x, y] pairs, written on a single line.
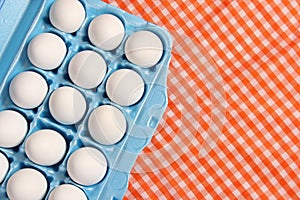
{"points": [[20, 21]]}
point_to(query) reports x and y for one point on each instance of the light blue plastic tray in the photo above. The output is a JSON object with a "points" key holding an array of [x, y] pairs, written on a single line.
{"points": [[20, 21]]}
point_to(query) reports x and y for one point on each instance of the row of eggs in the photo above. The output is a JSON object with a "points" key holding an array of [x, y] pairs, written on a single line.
{"points": [[86, 173], [40, 143], [105, 31], [142, 48]]}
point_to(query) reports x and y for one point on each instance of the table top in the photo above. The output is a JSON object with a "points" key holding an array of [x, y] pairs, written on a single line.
{"points": [[231, 129]]}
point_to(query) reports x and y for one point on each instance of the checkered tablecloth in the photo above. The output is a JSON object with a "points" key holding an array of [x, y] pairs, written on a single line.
{"points": [[231, 129]]}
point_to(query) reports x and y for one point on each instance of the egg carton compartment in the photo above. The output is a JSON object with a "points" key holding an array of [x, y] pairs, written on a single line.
{"points": [[142, 118]]}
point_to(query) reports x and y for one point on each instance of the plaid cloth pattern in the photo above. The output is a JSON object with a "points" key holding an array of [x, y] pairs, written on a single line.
{"points": [[251, 149]]}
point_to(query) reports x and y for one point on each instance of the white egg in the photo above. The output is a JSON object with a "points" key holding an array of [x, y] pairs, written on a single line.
{"points": [[46, 51], [67, 105], [67, 15], [67, 192], [45, 147], [26, 184], [106, 32], [13, 128], [107, 125], [125, 87], [87, 166], [144, 48], [28, 90], [87, 69], [4, 166]]}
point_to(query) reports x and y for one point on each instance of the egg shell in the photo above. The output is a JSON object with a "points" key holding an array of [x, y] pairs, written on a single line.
{"points": [[106, 31], [45, 147], [67, 15], [28, 89], [26, 184], [87, 166], [4, 166], [107, 125], [87, 69], [143, 48], [13, 128], [67, 192], [67, 105], [46, 51], [125, 87]]}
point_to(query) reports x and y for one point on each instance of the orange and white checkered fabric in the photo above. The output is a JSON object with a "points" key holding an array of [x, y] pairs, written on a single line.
{"points": [[251, 149]]}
